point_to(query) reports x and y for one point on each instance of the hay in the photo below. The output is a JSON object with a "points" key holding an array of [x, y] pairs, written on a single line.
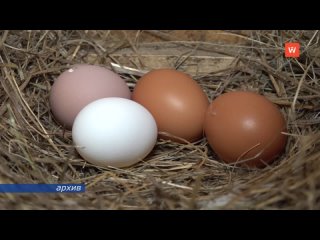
{"points": [[34, 148]]}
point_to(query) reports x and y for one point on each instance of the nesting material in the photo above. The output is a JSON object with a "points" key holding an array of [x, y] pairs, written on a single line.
{"points": [[36, 149]]}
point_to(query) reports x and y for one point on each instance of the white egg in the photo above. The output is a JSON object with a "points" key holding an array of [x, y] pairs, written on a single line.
{"points": [[114, 132]]}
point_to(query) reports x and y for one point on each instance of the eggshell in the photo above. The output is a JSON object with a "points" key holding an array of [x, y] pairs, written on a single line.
{"points": [[245, 127], [176, 101], [80, 85], [114, 132]]}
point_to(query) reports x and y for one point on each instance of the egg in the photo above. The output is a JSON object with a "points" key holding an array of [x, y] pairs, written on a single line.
{"points": [[114, 132], [80, 85], [176, 101], [245, 128]]}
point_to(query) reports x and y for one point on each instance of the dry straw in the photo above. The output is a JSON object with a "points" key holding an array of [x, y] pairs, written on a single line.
{"points": [[34, 148]]}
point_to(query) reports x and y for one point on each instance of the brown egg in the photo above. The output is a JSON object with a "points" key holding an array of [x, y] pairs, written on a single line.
{"points": [[175, 100], [81, 85], [245, 127]]}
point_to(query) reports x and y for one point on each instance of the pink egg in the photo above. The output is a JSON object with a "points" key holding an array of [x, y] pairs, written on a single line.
{"points": [[81, 85]]}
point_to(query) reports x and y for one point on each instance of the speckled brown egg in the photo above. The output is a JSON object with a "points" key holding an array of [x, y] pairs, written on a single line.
{"points": [[245, 128], [81, 85], [176, 101]]}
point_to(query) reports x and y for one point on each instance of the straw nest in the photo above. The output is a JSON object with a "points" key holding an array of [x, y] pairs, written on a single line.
{"points": [[35, 149]]}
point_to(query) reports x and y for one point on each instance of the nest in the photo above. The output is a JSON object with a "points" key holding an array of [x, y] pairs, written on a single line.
{"points": [[35, 149]]}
